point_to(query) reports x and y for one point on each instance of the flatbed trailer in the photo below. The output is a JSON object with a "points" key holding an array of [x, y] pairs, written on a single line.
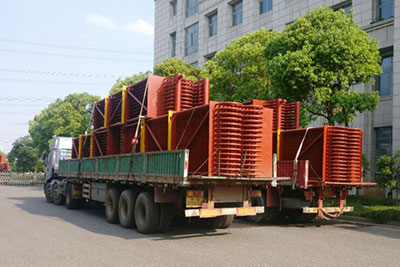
{"points": [[146, 190]]}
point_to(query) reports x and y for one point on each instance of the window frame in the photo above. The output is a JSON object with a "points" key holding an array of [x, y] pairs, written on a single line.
{"points": [[173, 43], [191, 10], [385, 53], [261, 5], [210, 56], [235, 13], [343, 6], [174, 7], [390, 145], [210, 16], [193, 41], [378, 9]]}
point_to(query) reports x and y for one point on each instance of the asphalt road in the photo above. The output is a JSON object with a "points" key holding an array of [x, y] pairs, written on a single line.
{"points": [[35, 233]]}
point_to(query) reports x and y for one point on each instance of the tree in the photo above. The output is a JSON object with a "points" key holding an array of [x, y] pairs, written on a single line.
{"points": [[318, 58], [172, 66], [24, 156], [2, 153], [365, 165], [128, 81], [238, 72], [68, 117], [389, 172]]}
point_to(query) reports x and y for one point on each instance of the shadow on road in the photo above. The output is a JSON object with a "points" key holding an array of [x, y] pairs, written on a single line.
{"points": [[92, 218], [389, 232]]}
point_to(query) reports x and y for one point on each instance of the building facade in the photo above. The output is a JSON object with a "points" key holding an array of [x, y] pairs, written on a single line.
{"points": [[195, 30]]}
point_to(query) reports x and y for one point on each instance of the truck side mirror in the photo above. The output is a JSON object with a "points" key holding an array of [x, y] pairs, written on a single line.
{"points": [[44, 158]]}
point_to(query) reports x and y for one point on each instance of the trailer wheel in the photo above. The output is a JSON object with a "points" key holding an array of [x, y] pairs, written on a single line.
{"points": [[48, 192], [226, 221], [147, 213], [165, 217], [71, 203], [212, 223], [112, 199], [58, 196], [256, 201], [269, 215], [126, 208]]}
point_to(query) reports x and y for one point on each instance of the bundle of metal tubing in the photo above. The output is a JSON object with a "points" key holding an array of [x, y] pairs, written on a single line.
{"points": [[344, 155], [238, 133], [227, 143], [251, 140]]}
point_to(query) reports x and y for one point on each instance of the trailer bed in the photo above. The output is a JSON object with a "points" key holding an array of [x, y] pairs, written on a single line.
{"points": [[165, 167]]}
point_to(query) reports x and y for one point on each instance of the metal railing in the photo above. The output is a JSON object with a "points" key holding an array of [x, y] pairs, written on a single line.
{"points": [[21, 179]]}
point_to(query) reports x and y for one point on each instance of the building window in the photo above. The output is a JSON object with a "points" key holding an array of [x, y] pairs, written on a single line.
{"points": [[173, 44], [346, 6], [265, 5], [210, 56], [191, 39], [192, 7], [383, 142], [212, 24], [385, 80], [237, 13], [385, 9], [174, 7]]}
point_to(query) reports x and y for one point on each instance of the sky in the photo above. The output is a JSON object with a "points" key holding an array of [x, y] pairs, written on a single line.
{"points": [[49, 49]]}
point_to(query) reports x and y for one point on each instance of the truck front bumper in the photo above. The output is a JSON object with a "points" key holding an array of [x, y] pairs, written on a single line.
{"points": [[210, 213]]}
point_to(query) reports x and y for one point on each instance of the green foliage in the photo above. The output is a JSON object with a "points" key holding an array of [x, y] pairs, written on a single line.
{"points": [[365, 165], [238, 72], [389, 171], [128, 81], [318, 58], [68, 117], [2, 153], [380, 210], [24, 156], [172, 66]]}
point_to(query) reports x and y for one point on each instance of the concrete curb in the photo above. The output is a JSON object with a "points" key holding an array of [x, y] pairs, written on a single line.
{"points": [[365, 221]]}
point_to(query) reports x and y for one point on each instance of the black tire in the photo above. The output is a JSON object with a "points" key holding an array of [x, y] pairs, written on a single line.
{"points": [[212, 223], [126, 209], [48, 192], [270, 214], [165, 217], [297, 216], [256, 201], [226, 222], [58, 196], [71, 203], [111, 205], [147, 213]]}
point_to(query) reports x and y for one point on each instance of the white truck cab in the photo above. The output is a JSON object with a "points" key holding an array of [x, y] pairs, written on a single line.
{"points": [[60, 149]]}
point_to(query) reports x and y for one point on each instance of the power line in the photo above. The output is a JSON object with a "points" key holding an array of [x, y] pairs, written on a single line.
{"points": [[74, 47], [54, 73], [72, 56], [23, 99], [18, 113], [23, 104], [50, 82], [14, 134]]}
